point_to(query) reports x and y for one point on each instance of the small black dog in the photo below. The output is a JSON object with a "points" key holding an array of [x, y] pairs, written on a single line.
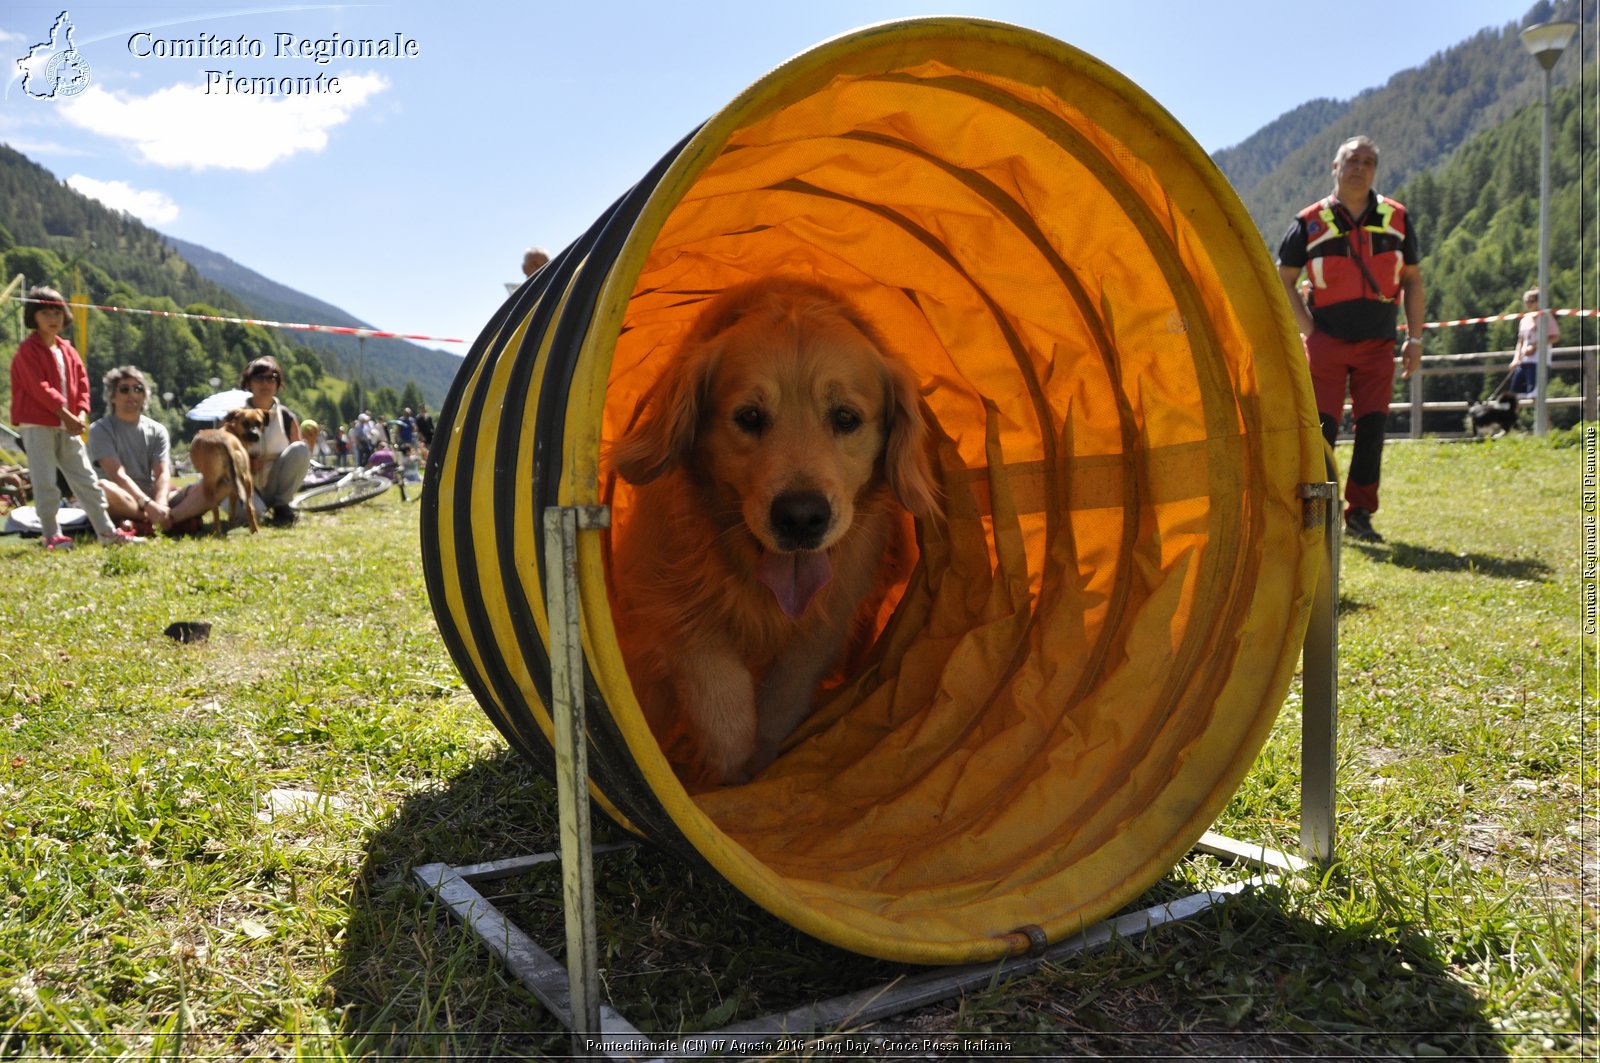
{"points": [[1499, 412]]}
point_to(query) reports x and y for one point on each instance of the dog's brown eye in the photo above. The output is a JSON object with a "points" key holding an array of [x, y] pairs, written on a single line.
{"points": [[845, 420], [750, 420]]}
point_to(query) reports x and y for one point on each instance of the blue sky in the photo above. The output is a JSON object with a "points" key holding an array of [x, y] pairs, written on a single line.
{"points": [[408, 196]]}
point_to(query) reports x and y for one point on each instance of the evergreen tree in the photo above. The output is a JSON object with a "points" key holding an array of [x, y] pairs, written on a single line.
{"points": [[1479, 217], [411, 397]]}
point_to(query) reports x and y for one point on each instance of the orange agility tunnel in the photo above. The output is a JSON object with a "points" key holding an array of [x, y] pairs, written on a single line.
{"points": [[1096, 638]]}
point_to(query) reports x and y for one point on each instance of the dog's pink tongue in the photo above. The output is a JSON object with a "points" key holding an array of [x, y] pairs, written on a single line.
{"points": [[795, 578]]}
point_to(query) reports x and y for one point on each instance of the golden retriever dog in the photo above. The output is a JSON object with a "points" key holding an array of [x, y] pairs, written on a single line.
{"points": [[222, 462], [771, 459]]}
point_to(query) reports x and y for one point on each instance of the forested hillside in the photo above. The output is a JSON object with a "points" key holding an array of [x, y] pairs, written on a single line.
{"points": [[51, 234], [67, 230], [1478, 218], [1253, 161], [1419, 118]]}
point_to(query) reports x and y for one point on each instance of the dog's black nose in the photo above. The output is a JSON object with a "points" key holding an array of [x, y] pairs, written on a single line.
{"points": [[800, 519]]}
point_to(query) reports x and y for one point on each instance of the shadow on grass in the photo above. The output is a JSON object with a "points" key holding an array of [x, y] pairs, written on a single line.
{"points": [[1428, 559], [1254, 979], [681, 953], [413, 984], [1349, 605]]}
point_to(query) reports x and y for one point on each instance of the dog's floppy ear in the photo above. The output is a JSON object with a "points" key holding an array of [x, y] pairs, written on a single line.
{"points": [[661, 433], [905, 457]]}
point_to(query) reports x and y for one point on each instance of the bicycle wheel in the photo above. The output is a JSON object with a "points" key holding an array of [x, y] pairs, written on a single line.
{"points": [[338, 495]]}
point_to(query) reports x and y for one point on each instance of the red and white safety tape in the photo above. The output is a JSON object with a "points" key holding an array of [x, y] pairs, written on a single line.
{"points": [[343, 330], [1507, 317]]}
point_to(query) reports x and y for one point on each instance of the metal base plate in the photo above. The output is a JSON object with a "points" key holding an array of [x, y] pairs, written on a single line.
{"points": [[809, 1025]]}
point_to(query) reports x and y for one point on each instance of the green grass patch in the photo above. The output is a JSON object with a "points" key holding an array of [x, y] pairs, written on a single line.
{"points": [[205, 849]]}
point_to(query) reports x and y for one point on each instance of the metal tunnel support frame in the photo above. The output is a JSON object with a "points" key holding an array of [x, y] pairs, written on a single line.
{"points": [[572, 992]]}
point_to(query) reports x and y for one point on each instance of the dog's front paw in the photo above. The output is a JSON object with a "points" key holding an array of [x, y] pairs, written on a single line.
{"points": [[725, 764], [716, 706]]}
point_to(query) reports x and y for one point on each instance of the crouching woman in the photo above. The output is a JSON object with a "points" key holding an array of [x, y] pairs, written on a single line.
{"points": [[280, 468]]}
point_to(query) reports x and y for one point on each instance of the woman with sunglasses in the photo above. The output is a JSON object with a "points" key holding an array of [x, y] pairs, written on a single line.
{"points": [[280, 468], [132, 452]]}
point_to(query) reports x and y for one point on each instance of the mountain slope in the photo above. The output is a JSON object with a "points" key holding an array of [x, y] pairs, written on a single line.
{"points": [[1254, 159], [383, 361], [1418, 119], [108, 248]]}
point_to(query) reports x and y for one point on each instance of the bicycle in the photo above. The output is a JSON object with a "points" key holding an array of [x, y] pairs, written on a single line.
{"points": [[358, 485]]}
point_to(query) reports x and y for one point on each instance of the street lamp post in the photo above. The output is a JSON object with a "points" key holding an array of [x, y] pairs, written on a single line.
{"points": [[1545, 41]]}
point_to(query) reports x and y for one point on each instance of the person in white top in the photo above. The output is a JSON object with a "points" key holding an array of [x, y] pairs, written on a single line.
{"points": [[284, 458], [1525, 360]]}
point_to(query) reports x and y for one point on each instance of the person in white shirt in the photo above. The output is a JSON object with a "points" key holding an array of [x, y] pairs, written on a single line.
{"points": [[1525, 360], [281, 466]]}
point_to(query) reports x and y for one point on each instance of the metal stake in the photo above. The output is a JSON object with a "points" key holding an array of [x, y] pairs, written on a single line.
{"points": [[1541, 388], [1320, 688], [561, 525]]}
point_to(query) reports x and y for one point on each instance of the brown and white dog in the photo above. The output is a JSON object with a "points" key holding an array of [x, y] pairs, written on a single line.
{"points": [[221, 458], [248, 424], [771, 460]]}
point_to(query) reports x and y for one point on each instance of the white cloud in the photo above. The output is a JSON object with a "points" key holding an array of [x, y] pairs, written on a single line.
{"points": [[152, 208], [35, 148], [184, 126]]}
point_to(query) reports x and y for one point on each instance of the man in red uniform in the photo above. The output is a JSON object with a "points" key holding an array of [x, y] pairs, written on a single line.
{"points": [[1359, 251]]}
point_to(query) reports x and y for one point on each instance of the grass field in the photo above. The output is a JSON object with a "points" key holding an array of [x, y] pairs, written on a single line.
{"points": [[205, 849]]}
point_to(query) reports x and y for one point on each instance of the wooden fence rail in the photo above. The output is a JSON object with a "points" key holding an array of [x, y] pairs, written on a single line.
{"points": [[1581, 359]]}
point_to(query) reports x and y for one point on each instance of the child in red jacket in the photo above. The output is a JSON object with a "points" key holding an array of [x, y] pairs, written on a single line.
{"points": [[50, 407]]}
